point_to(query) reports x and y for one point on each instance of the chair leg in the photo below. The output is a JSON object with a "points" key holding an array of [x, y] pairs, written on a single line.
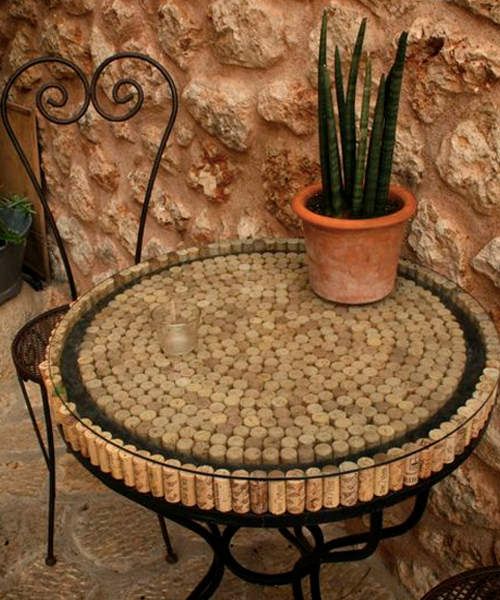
{"points": [[50, 559], [33, 419], [171, 556]]}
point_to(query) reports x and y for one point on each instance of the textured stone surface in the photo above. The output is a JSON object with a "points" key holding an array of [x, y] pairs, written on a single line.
{"points": [[486, 8], [289, 103], [469, 161], [78, 242], [487, 261], [80, 196], [178, 33], [247, 33], [224, 112], [437, 242]]}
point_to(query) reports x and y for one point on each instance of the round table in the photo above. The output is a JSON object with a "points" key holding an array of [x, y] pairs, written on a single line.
{"points": [[290, 412]]}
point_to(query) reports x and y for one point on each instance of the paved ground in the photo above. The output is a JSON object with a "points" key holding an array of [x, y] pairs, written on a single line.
{"points": [[111, 549]]}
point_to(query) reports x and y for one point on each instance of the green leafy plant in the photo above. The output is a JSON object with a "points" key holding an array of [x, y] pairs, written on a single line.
{"points": [[15, 218], [356, 163]]}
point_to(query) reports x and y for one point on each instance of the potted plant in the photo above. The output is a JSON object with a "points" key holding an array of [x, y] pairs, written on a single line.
{"points": [[15, 221], [354, 220]]}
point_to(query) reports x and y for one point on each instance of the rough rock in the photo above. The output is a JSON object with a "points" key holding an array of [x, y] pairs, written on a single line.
{"points": [[178, 33], [223, 111], [65, 38], [469, 162], [249, 33], [487, 261], [80, 196], [289, 103], [437, 242], [62, 148], [108, 252], [408, 165], [469, 495], [151, 136], [419, 577], [91, 126], [202, 228], [250, 226], [381, 8], [24, 9], [22, 50], [283, 174], [103, 170], [122, 19], [157, 247], [445, 60], [184, 135], [486, 8], [212, 172], [100, 46], [80, 247], [78, 7], [489, 448]]}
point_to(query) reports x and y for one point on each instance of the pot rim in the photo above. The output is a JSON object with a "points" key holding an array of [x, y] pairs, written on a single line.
{"points": [[407, 211]]}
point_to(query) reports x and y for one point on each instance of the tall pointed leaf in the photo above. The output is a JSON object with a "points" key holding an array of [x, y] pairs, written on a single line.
{"points": [[350, 149], [322, 119], [339, 91], [333, 151], [372, 164], [391, 116], [357, 195]]}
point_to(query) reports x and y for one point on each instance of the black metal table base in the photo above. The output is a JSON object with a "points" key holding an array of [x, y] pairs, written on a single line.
{"points": [[302, 531]]}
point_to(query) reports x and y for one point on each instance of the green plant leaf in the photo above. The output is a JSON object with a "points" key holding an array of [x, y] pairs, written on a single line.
{"points": [[350, 113], [326, 200], [339, 91], [375, 146], [393, 92], [333, 150], [357, 195]]}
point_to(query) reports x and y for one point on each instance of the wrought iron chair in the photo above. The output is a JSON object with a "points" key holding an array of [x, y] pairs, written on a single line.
{"points": [[30, 343], [476, 584]]}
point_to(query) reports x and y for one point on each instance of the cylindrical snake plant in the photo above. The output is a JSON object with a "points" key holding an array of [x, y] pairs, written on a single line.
{"points": [[356, 163]]}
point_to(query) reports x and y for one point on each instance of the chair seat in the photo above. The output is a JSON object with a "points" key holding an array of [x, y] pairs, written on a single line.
{"points": [[477, 584], [31, 341]]}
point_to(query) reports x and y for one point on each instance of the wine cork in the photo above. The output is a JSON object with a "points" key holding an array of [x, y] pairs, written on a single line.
{"points": [[349, 482], [258, 492], [141, 471], [171, 480], [295, 492], [289, 456], [217, 453], [115, 464], [91, 438], [127, 464], [412, 464], [234, 455], [82, 440], [449, 432], [187, 485], [381, 487], [396, 469], [366, 479], [340, 448], [386, 433], [204, 487], [425, 458], [155, 475], [222, 491], [466, 413], [271, 456], [314, 489], [240, 492], [331, 486], [101, 443], [277, 492]]}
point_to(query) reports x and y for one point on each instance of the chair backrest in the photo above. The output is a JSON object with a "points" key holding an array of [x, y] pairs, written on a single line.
{"points": [[54, 95]]}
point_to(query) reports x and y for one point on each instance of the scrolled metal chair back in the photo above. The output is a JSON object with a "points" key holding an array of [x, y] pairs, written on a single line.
{"points": [[55, 95]]}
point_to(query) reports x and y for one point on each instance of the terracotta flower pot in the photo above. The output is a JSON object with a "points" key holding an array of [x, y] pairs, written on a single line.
{"points": [[353, 261]]}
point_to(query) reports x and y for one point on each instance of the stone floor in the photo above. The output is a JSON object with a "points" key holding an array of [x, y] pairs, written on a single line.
{"points": [[111, 549]]}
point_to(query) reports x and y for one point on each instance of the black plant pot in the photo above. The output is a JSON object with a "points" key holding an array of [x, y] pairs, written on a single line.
{"points": [[11, 262]]}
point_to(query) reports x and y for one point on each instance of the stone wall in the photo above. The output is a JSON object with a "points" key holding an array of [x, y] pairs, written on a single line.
{"points": [[245, 141]]}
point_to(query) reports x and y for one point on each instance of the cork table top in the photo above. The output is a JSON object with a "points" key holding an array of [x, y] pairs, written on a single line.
{"points": [[280, 378]]}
